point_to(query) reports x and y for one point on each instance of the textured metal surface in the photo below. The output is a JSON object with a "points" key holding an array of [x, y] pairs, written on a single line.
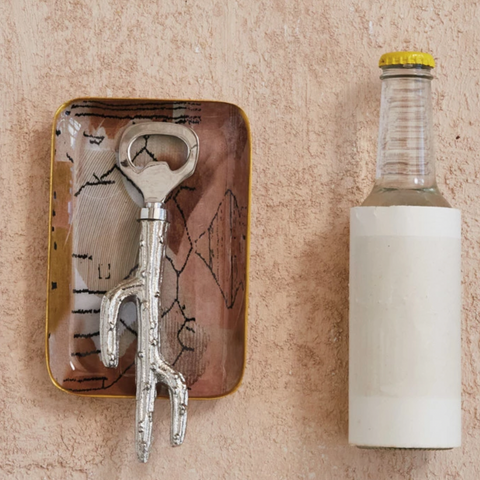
{"points": [[150, 366], [145, 287]]}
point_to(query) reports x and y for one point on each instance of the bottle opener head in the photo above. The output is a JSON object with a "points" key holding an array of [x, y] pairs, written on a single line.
{"points": [[156, 180]]}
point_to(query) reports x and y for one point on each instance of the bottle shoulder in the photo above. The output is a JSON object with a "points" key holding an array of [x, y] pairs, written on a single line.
{"points": [[388, 197]]}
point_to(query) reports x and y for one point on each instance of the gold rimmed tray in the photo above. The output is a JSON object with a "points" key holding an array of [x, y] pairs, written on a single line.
{"points": [[94, 244]]}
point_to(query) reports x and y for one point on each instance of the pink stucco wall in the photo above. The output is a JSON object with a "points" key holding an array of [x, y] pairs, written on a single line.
{"points": [[305, 72]]}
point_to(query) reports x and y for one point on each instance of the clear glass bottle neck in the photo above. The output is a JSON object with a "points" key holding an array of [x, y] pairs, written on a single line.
{"points": [[405, 158]]}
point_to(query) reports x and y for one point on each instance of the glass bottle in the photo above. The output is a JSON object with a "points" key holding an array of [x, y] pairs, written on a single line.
{"points": [[405, 157], [405, 280]]}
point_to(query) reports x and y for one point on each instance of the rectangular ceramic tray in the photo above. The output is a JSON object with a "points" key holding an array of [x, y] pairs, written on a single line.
{"points": [[94, 244]]}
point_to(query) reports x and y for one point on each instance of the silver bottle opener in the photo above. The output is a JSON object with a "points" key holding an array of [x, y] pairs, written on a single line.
{"points": [[156, 180]]}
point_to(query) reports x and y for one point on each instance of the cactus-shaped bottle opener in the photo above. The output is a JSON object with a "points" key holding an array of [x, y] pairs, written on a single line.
{"points": [[155, 180]]}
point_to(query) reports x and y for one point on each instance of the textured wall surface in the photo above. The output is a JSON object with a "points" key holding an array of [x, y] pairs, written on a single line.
{"points": [[305, 72]]}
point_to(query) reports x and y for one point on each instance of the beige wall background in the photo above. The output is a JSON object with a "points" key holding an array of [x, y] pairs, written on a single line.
{"points": [[306, 74]]}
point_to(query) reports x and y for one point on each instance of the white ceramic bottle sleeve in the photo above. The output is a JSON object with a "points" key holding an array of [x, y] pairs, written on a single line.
{"points": [[405, 322]]}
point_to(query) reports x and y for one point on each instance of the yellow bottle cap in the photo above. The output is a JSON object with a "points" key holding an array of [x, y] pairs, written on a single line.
{"points": [[406, 58]]}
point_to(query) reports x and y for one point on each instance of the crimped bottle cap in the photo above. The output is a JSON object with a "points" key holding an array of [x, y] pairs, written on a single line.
{"points": [[406, 58]]}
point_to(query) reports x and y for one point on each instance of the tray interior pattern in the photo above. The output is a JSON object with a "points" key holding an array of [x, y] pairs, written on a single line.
{"points": [[94, 245]]}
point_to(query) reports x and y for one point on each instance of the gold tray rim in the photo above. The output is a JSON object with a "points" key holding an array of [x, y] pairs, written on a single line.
{"points": [[59, 110]]}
